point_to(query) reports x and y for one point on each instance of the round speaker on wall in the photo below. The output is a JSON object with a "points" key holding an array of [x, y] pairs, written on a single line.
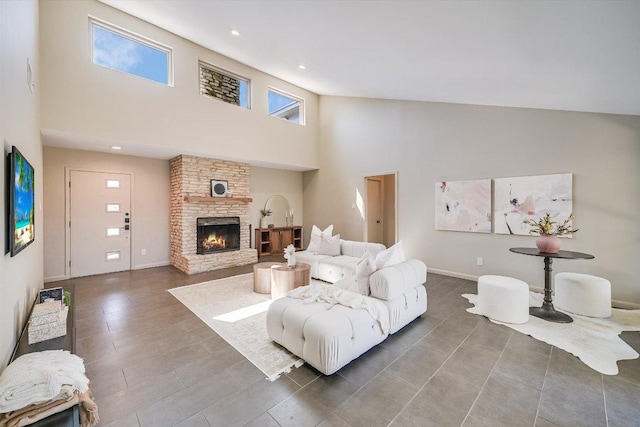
{"points": [[218, 188]]}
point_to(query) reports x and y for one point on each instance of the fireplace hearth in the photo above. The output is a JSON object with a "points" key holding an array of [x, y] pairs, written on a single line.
{"points": [[218, 234]]}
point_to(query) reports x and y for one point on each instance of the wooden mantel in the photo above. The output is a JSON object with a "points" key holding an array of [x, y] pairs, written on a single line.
{"points": [[208, 199]]}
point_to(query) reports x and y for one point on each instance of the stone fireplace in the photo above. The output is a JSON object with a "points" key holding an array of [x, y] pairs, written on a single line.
{"points": [[197, 217]]}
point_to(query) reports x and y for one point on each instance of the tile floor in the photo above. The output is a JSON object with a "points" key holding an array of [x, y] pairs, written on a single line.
{"points": [[153, 363]]}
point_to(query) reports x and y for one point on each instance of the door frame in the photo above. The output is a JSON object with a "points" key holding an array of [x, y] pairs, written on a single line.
{"points": [[365, 231], [67, 213]]}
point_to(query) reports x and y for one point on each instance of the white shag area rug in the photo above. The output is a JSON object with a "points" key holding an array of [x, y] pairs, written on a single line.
{"points": [[594, 341], [231, 308]]}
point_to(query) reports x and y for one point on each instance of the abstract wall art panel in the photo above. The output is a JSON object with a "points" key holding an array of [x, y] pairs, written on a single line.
{"points": [[463, 205], [531, 197]]}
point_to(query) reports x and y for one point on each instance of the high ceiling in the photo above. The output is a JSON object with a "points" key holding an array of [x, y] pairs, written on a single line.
{"points": [[562, 55]]}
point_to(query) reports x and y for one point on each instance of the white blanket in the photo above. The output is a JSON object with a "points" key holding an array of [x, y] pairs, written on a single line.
{"points": [[333, 295], [38, 377]]}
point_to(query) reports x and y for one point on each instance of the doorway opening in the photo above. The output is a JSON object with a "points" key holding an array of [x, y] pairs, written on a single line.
{"points": [[381, 208]]}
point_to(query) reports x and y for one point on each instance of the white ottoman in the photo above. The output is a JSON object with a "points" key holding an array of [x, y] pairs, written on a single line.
{"points": [[583, 294], [504, 299]]}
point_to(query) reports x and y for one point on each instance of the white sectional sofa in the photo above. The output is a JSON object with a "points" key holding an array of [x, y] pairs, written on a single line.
{"points": [[333, 268], [328, 336]]}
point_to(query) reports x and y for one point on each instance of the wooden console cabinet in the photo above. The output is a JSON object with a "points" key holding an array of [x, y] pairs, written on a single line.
{"points": [[274, 240]]}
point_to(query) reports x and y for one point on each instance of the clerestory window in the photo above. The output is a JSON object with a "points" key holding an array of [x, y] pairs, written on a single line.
{"points": [[286, 106], [224, 85], [122, 50]]}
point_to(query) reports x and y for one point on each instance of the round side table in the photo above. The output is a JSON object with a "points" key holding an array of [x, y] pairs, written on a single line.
{"points": [[262, 277], [283, 278], [547, 311]]}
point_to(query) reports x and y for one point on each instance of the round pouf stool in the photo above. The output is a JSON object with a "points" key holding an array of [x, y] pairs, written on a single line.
{"points": [[504, 299], [583, 294]]}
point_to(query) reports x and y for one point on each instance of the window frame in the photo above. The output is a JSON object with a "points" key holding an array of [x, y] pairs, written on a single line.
{"points": [[302, 120], [217, 69], [136, 38]]}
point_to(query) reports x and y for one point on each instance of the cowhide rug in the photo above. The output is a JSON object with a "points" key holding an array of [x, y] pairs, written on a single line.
{"points": [[595, 341]]}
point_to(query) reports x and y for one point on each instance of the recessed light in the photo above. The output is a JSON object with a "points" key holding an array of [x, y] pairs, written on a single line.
{"points": [[235, 33], [115, 147], [302, 67]]}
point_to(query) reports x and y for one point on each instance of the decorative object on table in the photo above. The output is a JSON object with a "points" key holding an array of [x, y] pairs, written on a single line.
{"points": [[529, 197], [219, 188], [229, 193], [463, 205], [221, 305], [290, 255], [288, 217], [264, 221], [52, 294], [37, 385], [548, 231], [21, 212], [66, 298], [595, 341], [48, 320]]}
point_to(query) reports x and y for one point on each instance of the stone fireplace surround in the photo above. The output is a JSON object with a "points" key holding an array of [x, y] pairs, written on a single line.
{"points": [[191, 198]]}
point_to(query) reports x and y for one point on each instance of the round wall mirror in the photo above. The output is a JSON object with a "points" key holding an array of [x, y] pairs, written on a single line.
{"points": [[280, 210]]}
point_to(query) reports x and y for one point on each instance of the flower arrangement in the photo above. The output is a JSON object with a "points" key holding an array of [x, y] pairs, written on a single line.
{"points": [[290, 255], [265, 212], [546, 226], [288, 251]]}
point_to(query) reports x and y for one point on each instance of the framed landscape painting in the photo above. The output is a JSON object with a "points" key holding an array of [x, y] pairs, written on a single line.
{"points": [[463, 205], [21, 203], [531, 197]]}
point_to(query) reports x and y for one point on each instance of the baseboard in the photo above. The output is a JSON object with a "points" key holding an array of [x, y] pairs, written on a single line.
{"points": [[624, 304], [614, 303], [452, 274], [55, 278], [151, 265]]}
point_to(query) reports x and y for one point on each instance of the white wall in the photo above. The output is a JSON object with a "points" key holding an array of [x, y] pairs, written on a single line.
{"points": [[267, 182], [81, 98], [429, 142], [20, 276], [150, 209]]}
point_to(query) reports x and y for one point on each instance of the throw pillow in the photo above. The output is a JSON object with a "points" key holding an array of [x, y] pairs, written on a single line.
{"points": [[391, 256], [330, 245], [364, 269], [316, 237]]}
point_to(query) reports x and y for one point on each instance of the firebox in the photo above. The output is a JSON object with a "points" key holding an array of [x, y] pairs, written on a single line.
{"points": [[218, 234]]}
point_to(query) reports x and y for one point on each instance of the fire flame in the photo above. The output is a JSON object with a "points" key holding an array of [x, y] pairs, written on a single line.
{"points": [[213, 241]]}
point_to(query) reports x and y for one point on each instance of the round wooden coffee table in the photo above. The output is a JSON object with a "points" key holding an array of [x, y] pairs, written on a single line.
{"points": [[262, 277], [283, 278]]}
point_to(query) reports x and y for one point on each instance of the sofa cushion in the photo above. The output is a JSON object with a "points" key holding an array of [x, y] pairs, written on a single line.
{"points": [[326, 336], [391, 282], [406, 308], [313, 259], [332, 269], [316, 236], [356, 249]]}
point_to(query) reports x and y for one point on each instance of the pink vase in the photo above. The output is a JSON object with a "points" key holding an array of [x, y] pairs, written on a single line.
{"points": [[548, 244]]}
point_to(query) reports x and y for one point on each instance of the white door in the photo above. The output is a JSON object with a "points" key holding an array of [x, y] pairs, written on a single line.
{"points": [[374, 210], [100, 221]]}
